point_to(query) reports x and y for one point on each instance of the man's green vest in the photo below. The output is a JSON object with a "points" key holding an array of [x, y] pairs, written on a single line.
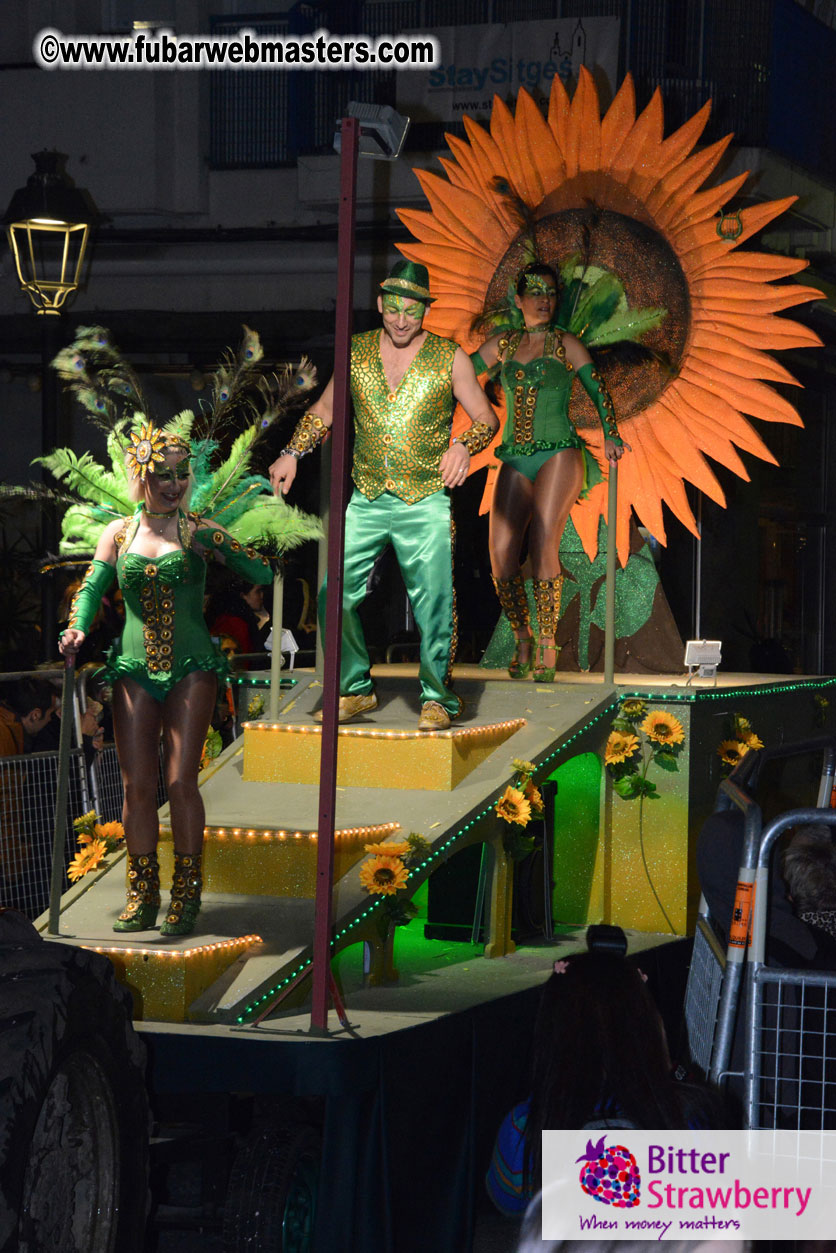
{"points": [[401, 436]]}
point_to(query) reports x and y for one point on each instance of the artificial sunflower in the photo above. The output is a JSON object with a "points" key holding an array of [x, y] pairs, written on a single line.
{"points": [[663, 728], [751, 740], [534, 797], [619, 747], [512, 806], [388, 850], [617, 195], [110, 832], [633, 709], [147, 448], [87, 859], [732, 751], [383, 875], [523, 767]]}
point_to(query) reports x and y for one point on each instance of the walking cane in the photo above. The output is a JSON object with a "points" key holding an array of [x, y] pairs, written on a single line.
{"points": [[59, 833]]}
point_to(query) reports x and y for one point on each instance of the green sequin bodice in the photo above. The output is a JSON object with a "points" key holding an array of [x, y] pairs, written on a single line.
{"points": [[401, 436], [537, 403], [165, 635]]}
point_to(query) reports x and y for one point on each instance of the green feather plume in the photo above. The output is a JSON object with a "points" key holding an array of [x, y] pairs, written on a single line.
{"points": [[275, 526], [85, 476]]}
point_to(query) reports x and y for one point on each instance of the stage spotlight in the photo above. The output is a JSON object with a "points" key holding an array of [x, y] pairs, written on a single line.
{"points": [[382, 130]]}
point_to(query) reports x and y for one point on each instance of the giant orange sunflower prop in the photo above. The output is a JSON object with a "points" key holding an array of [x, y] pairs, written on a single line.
{"points": [[616, 190]]}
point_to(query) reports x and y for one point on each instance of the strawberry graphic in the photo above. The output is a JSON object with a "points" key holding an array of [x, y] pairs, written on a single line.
{"points": [[610, 1175]]}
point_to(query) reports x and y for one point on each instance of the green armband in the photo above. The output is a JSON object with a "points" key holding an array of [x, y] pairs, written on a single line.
{"points": [[482, 367], [246, 562], [597, 390], [98, 577]]}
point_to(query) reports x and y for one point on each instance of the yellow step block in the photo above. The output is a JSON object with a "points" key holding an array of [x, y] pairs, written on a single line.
{"points": [[165, 981], [257, 862], [276, 752]]}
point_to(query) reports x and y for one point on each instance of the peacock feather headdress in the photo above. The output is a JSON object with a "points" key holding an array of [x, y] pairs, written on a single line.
{"points": [[225, 489]]}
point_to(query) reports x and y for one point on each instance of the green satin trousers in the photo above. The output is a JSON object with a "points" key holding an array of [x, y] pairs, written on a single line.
{"points": [[421, 536]]}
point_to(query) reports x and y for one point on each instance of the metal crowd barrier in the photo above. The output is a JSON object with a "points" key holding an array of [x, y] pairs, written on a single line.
{"points": [[28, 790], [788, 1069]]}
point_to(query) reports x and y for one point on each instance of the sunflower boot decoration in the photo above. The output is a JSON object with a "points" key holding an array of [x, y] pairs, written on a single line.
{"points": [[677, 315], [386, 875]]}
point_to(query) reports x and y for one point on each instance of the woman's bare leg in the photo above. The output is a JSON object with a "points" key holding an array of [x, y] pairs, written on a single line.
{"points": [[556, 489], [186, 715], [511, 508], [137, 719], [510, 514]]}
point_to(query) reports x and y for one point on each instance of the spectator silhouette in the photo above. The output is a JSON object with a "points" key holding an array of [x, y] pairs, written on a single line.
{"points": [[600, 1058]]}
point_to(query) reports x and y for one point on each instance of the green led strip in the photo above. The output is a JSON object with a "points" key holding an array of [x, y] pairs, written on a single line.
{"points": [[729, 693], [690, 697], [252, 681]]}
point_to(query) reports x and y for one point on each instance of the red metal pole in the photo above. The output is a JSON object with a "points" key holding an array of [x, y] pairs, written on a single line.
{"points": [[334, 608]]}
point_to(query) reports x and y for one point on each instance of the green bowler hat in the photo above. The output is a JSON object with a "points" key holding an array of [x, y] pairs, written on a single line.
{"points": [[408, 279]]}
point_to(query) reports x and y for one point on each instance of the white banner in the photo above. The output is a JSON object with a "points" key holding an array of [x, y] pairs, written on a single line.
{"points": [[689, 1185], [479, 61]]}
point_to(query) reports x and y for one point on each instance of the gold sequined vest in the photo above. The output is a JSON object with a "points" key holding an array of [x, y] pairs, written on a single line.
{"points": [[401, 436]]}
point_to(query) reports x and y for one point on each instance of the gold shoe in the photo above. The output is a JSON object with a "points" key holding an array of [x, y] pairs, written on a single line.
{"points": [[434, 717], [352, 706]]}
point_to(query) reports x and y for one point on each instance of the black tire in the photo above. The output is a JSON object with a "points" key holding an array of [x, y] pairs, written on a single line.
{"points": [[74, 1114], [273, 1189]]}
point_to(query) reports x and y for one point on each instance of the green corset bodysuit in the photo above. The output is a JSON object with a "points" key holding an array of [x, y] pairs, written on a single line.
{"points": [[165, 636], [537, 423]]}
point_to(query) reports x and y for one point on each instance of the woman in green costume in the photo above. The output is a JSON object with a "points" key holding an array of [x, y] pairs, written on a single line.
{"points": [[546, 466], [164, 669]]}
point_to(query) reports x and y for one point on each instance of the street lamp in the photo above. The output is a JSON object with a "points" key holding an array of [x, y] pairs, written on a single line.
{"points": [[48, 223]]}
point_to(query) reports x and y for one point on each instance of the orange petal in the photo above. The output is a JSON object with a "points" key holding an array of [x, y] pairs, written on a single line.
{"points": [[756, 267], [678, 144], [585, 121], [666, 439], [711, 347], [750, 396], [558, 118], [702, 417], [617, 122]]}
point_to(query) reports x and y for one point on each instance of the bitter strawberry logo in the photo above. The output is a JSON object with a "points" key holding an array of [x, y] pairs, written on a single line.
{"points": [[610, 1175]]}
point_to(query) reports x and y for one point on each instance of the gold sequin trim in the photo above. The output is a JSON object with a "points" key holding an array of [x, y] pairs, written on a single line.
{"points": [[310, 432]]}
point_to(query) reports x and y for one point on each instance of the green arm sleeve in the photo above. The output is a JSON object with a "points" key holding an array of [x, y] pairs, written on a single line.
{"points": [[245, 562], [596, 388], [98, 577], [481, 367]]}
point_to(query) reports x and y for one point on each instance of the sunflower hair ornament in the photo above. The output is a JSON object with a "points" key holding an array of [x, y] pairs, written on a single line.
{"points": [[146, 448]]}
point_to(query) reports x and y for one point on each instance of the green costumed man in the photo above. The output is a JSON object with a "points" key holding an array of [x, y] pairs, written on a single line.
{"points": [[405, 382]]}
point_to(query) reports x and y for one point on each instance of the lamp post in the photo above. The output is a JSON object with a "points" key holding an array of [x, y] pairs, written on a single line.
{"points": [[366, 130], [48, 225]]}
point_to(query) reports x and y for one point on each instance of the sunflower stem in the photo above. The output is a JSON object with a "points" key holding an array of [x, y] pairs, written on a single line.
{"points": [[645, 764]]}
